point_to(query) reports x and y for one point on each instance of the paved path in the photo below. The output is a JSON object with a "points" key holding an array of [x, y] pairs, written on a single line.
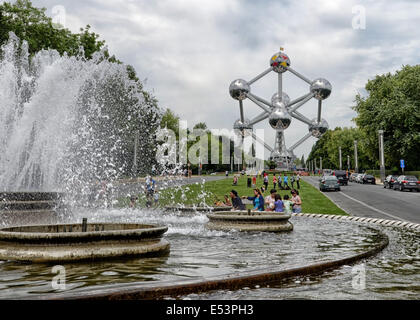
{"points": [[375, 201]]}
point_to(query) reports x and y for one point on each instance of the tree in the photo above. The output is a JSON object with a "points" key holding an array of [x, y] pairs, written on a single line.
{"points": [[33, 25], [392, 105]]}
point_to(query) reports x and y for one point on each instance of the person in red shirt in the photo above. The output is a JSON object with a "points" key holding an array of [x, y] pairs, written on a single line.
{"points": [[254, 181]]}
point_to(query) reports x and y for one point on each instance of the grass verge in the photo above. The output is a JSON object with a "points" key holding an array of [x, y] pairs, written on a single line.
{"points": [[313, 201]]}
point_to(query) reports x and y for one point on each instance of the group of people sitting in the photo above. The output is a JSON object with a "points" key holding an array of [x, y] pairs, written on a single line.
{"points": [[273, 202]]}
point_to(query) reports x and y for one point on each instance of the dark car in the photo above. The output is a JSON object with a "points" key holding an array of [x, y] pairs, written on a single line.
{"points": [[329, 183], [367, 178], [407, 182], [342, 176], [389, 181]]}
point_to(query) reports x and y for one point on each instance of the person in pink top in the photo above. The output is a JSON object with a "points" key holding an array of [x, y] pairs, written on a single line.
{"points": [[274, 181]]}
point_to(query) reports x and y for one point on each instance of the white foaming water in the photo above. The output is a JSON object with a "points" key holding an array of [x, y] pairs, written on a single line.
{"points": [[193, 224], [56, 119]]}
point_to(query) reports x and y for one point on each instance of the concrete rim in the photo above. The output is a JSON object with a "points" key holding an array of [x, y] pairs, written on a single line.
{"points": [[92, 252], [235, 281], [139, 231]]}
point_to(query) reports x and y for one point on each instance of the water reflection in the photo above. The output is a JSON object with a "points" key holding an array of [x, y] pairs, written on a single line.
{"points": [[197, 252]]}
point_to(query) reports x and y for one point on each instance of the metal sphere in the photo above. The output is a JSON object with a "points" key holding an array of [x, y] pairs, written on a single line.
{"points": [[279, 62], [275, 155], [317, 129], [321, 88], [242, 128], [284, 98], [280, 118], [238, 89]]}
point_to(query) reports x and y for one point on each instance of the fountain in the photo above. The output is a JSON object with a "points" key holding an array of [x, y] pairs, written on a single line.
{"points": [[59, 150], [63, 243], [250, 221], [55, 139]]}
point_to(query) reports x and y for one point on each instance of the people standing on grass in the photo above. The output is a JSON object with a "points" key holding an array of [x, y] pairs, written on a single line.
{"points": [[266, 181], [286, 182], [274, 181], [279, 181], [296, 202], [292, 180], [298, 180], [254, 181], [257, 200]]}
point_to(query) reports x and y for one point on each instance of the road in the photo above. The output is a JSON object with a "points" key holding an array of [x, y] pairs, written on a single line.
{"points": [[375, 201]]}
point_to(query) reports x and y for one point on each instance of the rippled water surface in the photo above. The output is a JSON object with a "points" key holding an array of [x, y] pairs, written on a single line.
{"points": [[197, 252]]}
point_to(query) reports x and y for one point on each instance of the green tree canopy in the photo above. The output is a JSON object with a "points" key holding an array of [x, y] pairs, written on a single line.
{"points": [[392, 105]]}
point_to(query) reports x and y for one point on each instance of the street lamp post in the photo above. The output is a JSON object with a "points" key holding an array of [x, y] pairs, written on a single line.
{"points": [[356, 164], [348, 162], [381, 155], [339, 158]]}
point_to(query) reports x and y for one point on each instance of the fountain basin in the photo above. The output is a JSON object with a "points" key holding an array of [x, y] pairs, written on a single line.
{"points": [[70, 243], [250, 221]]}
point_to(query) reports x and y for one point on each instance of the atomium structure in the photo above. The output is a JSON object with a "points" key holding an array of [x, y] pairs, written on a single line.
{"points": [[280, 110]]}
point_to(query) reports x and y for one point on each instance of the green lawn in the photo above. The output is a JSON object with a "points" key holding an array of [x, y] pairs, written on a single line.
{"points": [[313, 201]]}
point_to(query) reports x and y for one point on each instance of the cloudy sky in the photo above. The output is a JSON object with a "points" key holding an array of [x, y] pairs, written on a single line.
{"points": [[189, 51]]}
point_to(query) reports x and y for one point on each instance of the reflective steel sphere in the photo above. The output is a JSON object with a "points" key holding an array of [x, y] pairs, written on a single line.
{"points": [[275, 155], [321, 88], [238, 89], [279, 61], [284, 98], [243, 129], [318, 128], [280, 118]]}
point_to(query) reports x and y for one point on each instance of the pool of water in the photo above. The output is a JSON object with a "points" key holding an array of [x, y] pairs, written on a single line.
{"points": [[197, 252]]}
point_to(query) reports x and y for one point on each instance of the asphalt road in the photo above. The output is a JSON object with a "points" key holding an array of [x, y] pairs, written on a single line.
{"points": [[375, 201]]}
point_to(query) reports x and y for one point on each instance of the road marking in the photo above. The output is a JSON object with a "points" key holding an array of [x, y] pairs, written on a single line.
{"points": [[372, 208]]}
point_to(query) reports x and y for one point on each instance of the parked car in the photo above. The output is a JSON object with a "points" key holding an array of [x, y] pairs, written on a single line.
{"points": [[359, 177], [352, 177], [407, 182], [329, 183], [327, 172], [342, 176], [367, 178], [389, 181]]}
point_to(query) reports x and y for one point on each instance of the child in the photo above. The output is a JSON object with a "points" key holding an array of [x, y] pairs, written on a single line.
{"points": [[133, 200], [274, 181], [287, 204], [278, 204], [254, 181], [156, 198]]}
